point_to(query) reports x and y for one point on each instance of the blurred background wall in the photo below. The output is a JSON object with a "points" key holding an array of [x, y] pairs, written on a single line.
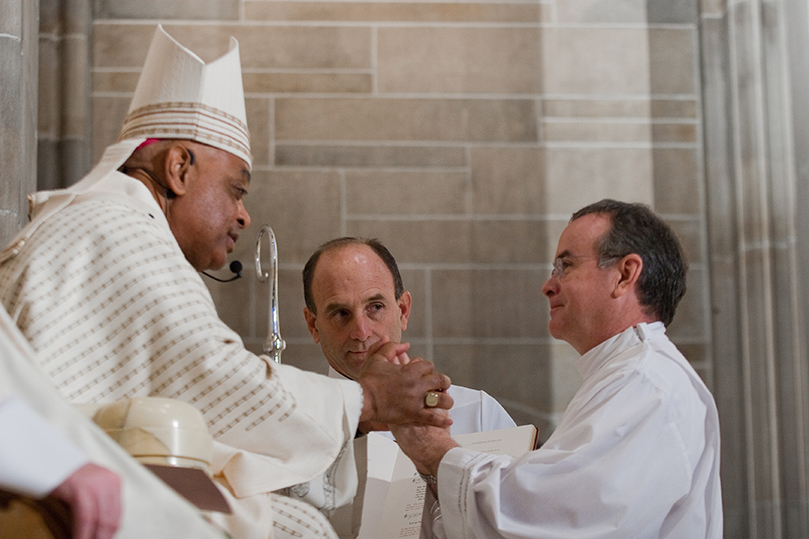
{"points": [[18, 112], [463, 134]]}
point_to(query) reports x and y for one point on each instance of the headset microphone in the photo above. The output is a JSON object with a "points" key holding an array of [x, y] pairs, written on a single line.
{"points": [[235, 267]]}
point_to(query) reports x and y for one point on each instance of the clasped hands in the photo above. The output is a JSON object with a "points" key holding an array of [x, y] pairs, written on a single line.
{"points": [[398, 390]]}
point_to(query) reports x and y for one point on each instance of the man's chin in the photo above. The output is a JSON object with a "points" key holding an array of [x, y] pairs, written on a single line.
{"points": [[555, 328], [355, 361], [218, 260]]}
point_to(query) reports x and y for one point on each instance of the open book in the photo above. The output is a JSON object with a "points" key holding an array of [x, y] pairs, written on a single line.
{"points": [[394, 493]]}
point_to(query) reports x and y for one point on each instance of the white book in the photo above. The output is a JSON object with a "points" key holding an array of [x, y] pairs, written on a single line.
{"points": [[393, 501]]}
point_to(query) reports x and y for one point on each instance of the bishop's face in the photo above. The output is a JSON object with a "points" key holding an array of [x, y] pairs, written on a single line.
{"points": [[206, 220]]}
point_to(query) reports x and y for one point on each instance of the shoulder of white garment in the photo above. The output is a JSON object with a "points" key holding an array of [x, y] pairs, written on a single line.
{"points": [[114, 183], [126, 190], [114, 186], [622, 343]]}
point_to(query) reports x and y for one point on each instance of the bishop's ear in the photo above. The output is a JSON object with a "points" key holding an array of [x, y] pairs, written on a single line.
{"points": [[176, 169]]}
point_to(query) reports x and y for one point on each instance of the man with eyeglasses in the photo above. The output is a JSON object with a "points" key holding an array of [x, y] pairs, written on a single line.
{"points": [[636, 453]]}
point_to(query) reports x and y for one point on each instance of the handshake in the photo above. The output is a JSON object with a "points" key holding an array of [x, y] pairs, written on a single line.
{"points": [[398, 390]]}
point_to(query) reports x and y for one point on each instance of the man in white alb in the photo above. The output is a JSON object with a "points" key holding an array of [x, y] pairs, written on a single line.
{"points": [[355, 299], [105, 284], [636, 453]]}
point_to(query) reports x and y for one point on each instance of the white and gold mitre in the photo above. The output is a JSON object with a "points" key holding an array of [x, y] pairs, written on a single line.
{"points": [[179, 96]]}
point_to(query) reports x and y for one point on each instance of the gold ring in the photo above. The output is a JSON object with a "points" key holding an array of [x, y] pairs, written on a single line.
{"points": [[431, 399]]}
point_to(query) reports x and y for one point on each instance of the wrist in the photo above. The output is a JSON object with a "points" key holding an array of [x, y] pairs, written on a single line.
{"points": [[430, 479], [431, 458]]}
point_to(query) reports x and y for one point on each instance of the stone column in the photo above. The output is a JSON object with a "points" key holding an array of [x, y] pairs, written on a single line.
{"points": [[755, 101], [64, 92], [19, 20]]}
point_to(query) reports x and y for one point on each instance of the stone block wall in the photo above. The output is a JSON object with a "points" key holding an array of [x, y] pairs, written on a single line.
{"points": [[18, 103], [756, 103], [64, 119], [463, 135]]}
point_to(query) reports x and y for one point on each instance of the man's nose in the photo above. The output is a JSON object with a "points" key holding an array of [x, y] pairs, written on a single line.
{"points": [[549, 288], [361, 329], [243, 218]]}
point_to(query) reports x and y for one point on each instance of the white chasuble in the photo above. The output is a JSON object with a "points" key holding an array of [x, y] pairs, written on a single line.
{"points": [[103, 293]]}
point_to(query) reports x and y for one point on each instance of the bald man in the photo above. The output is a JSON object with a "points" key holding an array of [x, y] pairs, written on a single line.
{"points": [[355, 299]]}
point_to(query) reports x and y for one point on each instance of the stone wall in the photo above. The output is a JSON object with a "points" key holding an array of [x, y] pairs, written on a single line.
{"points": [[463, 135], [64, 96], [18, 103], [756, 103]]}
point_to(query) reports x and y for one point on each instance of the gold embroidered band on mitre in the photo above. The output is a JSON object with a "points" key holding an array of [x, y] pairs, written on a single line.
{"points": [[192, 121]]}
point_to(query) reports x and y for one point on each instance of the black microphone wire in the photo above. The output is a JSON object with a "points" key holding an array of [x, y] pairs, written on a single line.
{"points": [[235, 267]]}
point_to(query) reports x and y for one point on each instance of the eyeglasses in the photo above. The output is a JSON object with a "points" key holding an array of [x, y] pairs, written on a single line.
{"points": [[563, 263]]}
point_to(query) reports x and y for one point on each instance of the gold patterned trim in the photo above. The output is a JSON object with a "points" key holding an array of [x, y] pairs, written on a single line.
{"points": [[180, 106], [189, 120]]}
